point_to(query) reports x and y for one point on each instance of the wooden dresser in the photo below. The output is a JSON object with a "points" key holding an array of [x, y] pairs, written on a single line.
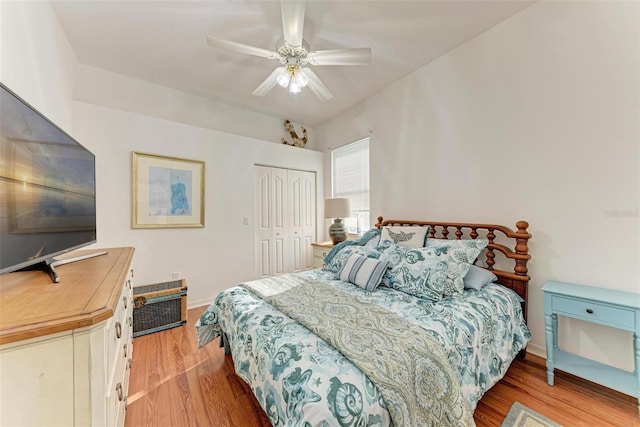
{"points": [[65, 348]]}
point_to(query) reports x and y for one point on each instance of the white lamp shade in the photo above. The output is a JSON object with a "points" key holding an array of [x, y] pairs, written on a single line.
{"points": [[337, 208]]}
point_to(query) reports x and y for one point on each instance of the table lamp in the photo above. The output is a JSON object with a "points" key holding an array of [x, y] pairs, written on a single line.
{"points": [[337, 209]]}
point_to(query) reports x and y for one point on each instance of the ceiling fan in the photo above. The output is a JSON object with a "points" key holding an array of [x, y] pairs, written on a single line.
{"points": [[295, 55]]}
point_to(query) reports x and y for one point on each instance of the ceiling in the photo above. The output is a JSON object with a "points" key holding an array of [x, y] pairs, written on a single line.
{"points": [[164, 42]]}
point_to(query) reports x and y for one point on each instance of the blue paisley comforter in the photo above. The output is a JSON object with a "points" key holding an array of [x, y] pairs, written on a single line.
{"points": [[300, 380]]}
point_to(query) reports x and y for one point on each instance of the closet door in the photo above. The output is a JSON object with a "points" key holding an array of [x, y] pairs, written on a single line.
{"points": [[263, 185], [280, 222], [271, 211], [295, 211], [285, 220], [302, 218], [308, 217]]}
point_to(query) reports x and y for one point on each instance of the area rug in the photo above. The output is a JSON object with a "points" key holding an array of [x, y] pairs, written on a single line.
{"points": [[521, 416]]}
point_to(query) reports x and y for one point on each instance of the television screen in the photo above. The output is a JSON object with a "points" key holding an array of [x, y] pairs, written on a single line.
{"points": [[47, 187]]}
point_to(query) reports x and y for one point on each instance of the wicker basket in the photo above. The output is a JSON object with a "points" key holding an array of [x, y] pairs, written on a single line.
{"points": [[159, 306]]}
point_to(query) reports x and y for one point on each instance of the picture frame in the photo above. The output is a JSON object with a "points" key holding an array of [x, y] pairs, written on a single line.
{"points": [[167, 192]]}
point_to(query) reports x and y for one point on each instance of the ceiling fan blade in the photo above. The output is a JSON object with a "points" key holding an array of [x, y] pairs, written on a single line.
{"points": [[242, 48], [293, 21], [357, 56], [316, 85], [269, 82]]}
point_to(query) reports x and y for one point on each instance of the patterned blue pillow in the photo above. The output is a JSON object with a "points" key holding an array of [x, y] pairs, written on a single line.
{"points": [[371, 238], [338, 259], [372, 235], [460, 255], [364, 272], [416, 271]]}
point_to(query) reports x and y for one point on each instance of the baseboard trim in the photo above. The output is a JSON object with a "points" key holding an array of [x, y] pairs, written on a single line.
{"points": [[538, 350], [199, 303]]}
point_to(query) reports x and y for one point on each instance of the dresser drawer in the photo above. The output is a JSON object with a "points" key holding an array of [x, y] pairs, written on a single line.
{"points": [[120, 327], [594, 312], [117, 392], [118, 387]]}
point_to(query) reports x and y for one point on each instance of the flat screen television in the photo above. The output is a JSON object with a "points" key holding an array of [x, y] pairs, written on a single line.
{"points": [[47, 189]]}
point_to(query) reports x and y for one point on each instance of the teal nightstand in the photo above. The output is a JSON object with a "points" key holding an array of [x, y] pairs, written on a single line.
{"points": [[608, 307]]}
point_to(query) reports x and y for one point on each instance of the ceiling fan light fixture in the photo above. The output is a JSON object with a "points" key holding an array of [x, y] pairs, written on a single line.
{"points": [[294, 87], [300, 78], [293, 52], [293, 77], [283, 77]]}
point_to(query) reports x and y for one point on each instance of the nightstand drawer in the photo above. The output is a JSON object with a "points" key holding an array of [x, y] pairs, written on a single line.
{"points": [[320, 250], [594, 312]]}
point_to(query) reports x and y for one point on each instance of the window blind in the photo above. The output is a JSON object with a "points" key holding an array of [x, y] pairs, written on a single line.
{"points": [[350, 179]]}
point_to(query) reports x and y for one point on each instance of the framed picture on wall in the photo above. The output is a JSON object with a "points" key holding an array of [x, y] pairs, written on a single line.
{"points": [[168, 192]]}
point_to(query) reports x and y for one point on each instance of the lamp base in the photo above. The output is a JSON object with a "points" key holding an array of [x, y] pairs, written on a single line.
{"points": [[337, 232]]}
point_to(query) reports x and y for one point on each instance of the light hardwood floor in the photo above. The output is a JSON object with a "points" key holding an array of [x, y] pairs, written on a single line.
{"points": [[173, 383]]}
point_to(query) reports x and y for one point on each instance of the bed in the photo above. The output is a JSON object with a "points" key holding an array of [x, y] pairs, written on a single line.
{"points": [[330, 347]]}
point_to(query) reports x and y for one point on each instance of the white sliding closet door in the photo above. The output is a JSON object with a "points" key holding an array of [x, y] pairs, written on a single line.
{"points": [[308, 200], [285, 220], [294, 207]]}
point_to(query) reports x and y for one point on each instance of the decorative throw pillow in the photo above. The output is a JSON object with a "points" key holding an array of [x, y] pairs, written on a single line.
{"points": [[412, 237], [364, 240], [362, 271], [416, 271], [460, 255], [337, 260], [478, 277], [370, 238]]}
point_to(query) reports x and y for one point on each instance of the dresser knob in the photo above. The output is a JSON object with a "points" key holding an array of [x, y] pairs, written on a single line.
{"points": [[124, 300], [118, 330], [590, 310], [119, 391]]}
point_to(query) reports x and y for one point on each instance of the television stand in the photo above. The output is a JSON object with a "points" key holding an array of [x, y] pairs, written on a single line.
{"points": [[50, 265]]}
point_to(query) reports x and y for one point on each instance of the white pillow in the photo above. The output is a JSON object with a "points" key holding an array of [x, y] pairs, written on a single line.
{"points": [[409, 236]]}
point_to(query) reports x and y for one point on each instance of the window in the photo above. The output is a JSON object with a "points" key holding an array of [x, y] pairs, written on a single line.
{"points": [[350, 179]]}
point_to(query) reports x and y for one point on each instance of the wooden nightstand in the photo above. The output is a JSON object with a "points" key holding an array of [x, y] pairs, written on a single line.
{"points": [[616, 309], [320, 250]]}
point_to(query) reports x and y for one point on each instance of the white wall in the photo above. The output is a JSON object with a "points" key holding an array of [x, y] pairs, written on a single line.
{"points": [[536, 119], [212, 258], [36, 59], [106, 88]]}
